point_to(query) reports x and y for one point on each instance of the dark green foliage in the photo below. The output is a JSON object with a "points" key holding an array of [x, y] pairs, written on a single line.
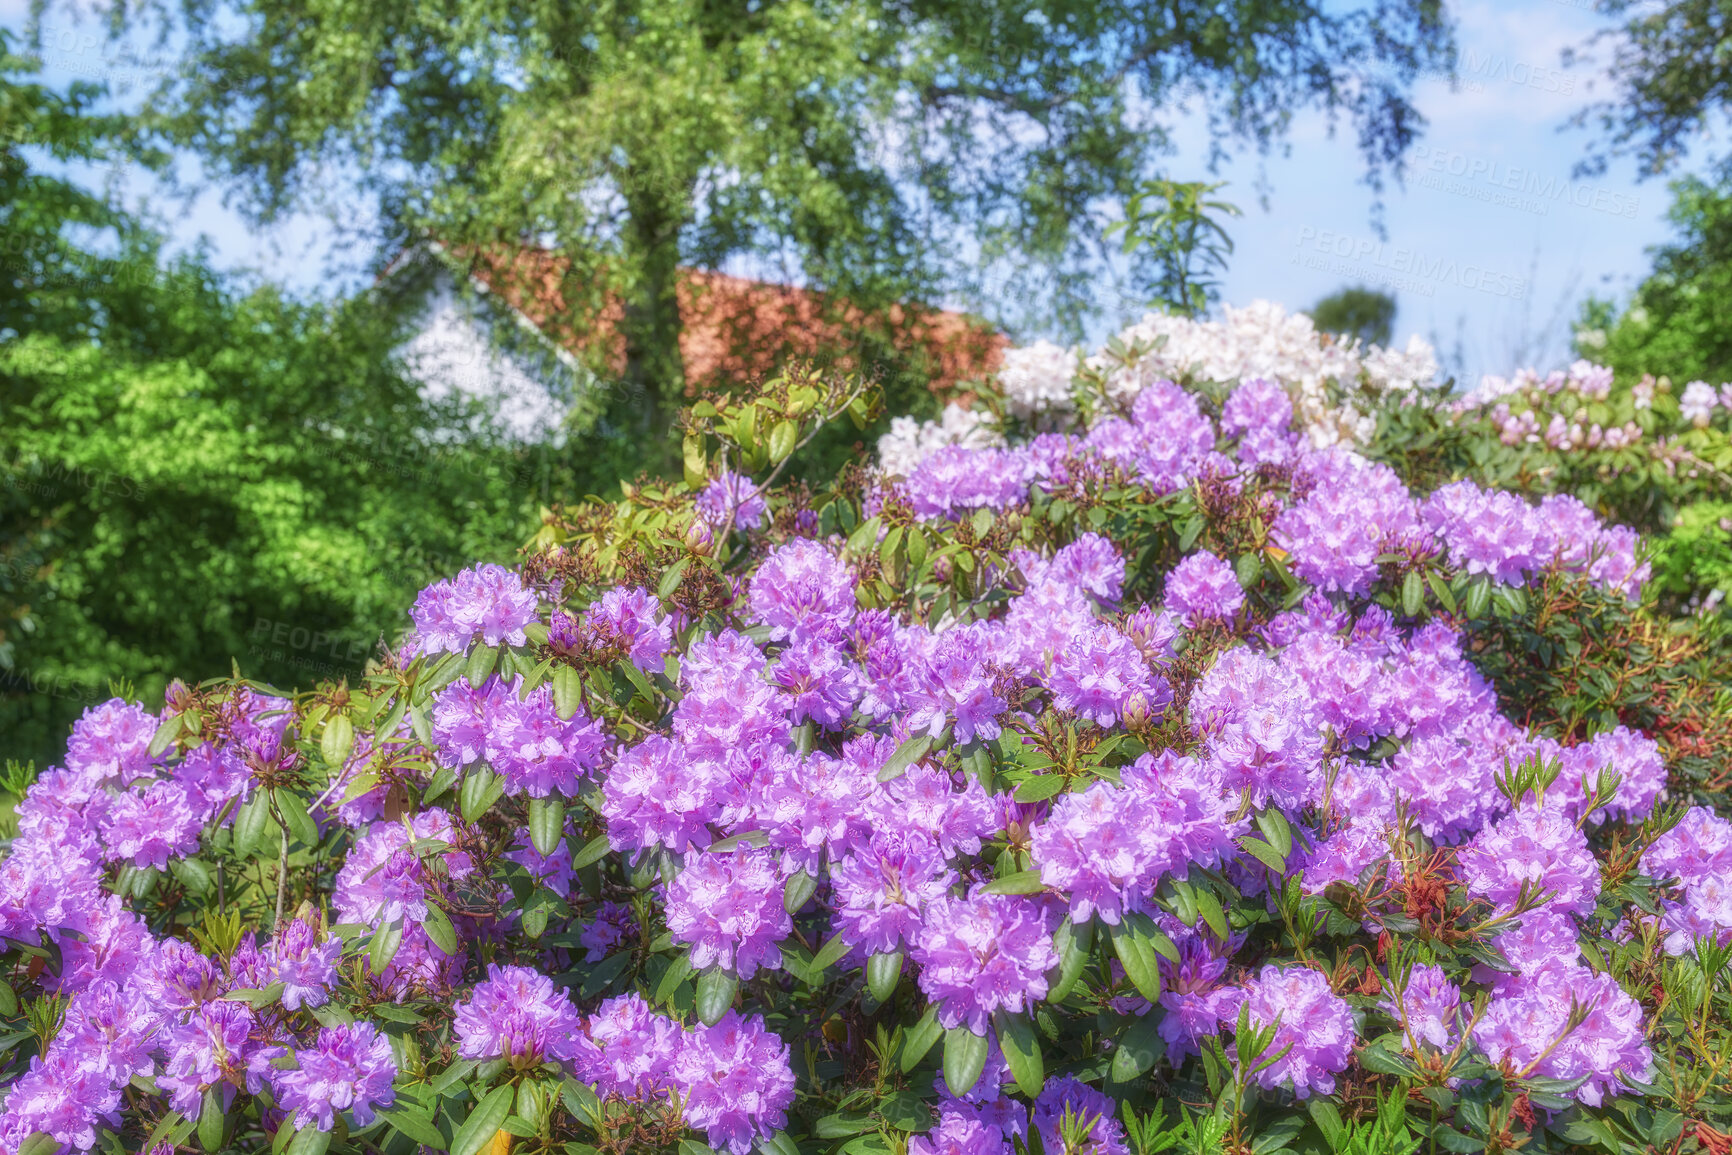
{"points": [[196, 475], [1368, 314]]}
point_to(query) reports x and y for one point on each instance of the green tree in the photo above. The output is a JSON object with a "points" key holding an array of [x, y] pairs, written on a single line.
{"points": [[1367, 314], [1671, 75], [196, 476], [1678, 321], [867, 145], [1177, 242]]}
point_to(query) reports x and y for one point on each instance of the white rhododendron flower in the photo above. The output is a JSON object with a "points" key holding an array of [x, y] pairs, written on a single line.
{"points": [[910, 442]]}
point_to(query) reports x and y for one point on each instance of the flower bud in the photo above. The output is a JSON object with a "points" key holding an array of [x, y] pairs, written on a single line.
{"points": [[699, 539]]}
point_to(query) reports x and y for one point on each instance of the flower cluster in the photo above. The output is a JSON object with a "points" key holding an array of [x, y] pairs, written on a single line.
{"points": [[732, 1079], [1160, 731]]}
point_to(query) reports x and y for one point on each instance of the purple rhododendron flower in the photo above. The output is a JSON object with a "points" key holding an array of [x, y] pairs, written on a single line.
{"points": [[1203, 588], [633, 618], [1429, 1009], [729, 908], [1071, 1110], [821, 683], [518, 1014], [150, 826], [1102, 676], [489, 600], [884, 888], [111, 743], [959, 1132], [628, 1049], [1315, 1027], [984, 952], [731, 494], [736, 1082], [350, 1068], [801, 590], [1540, 846], [1529, 1028], [1698, 853]]}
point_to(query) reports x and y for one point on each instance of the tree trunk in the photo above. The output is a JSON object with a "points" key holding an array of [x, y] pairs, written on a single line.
{"points": [[654, 370]]}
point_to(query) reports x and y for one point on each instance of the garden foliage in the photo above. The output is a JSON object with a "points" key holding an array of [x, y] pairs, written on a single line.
{"points": [[1165, 781]]}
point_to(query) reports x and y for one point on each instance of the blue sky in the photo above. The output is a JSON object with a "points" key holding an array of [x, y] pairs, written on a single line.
{"points": [[1488, 246]]}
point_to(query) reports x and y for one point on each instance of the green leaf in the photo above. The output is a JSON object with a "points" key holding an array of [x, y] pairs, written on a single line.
{"points": [[489, 1115], [671, 579], [1021, 1048], [693, 458], [1265, 854], [919, 1039], [1412, 593], [593, 851], [1133, 943], [798, 891], [386, 940], [1139, 1049], [480, 790], [1441, 589], [250, 824], [192, 873], [294, 811], [1041, 787], [567, 691], [1073, 944], [581, 1100], [828, 955], [453, 1075], [438, 926], [546, 823], [782, 440], [866, 536], [481, 664], [1274, 826], [716, 991], [1248, 569], [678, 971], [211, 1122], [337, 740], [166, 734], [1478, 597], [906, 1111], [843, 1124], [1210, 908], [1022, 882], [1328, 1121], [905, 756], [964, 1058], [883, 973], [444, 780], [1192, 530], [309, 1141]]}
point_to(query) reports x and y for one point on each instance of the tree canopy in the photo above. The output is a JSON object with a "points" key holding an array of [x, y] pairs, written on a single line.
{"points": [[1671, 76], [1368, 314], [196, 473], [870, 147]]}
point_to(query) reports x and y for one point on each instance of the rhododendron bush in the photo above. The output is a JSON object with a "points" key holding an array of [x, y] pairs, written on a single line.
{"points": [[1160, 783]]}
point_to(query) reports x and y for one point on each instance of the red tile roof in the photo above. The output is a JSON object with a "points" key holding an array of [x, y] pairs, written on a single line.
{"points": [[735, 329]]}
